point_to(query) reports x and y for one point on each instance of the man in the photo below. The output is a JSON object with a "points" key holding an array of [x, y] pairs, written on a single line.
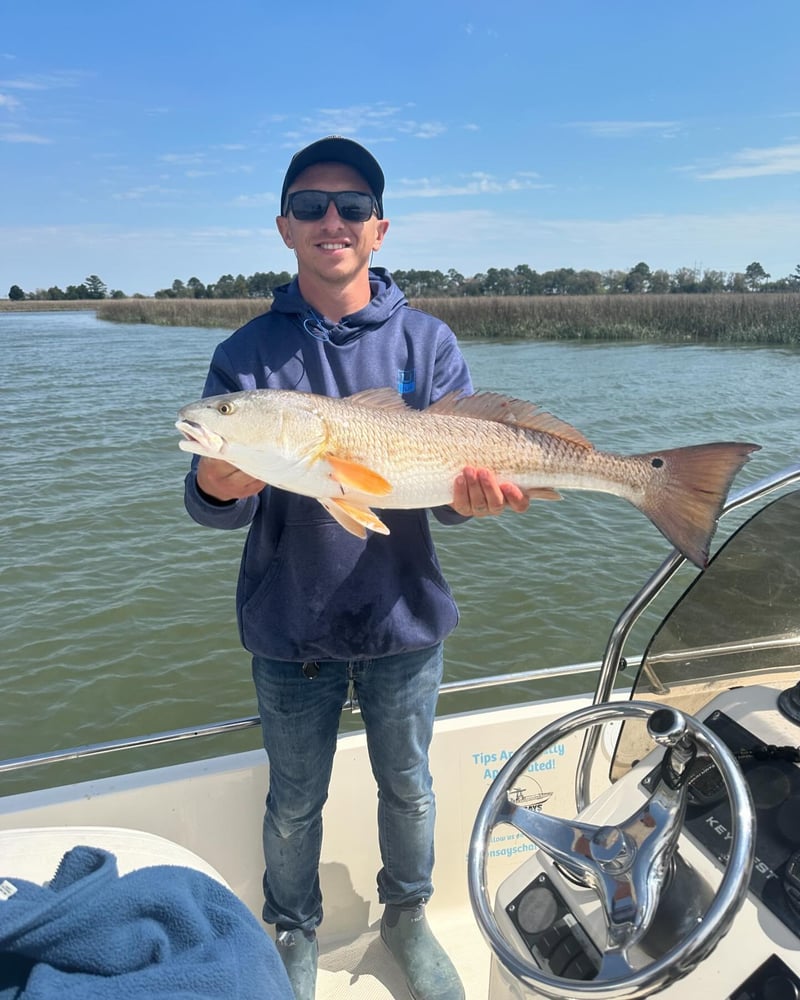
{"points": [[321, 610]]}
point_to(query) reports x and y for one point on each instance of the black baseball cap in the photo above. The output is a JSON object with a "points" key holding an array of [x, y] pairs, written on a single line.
{"points": [[337, 149]]}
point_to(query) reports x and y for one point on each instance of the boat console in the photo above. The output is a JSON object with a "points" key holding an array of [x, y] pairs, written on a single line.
{"points": [[683, 877], [554, 918]]}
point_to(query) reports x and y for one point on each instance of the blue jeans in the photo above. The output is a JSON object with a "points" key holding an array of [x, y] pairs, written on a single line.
{"points": [[299, 723]]}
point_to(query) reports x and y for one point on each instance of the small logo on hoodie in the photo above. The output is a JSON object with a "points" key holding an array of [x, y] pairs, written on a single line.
{"points": [[406, 380]]}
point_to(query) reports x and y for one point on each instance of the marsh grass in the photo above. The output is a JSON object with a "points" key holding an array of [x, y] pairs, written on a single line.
{"points": [[48, 305], [729, 318], [228, 314], [756, 318]]}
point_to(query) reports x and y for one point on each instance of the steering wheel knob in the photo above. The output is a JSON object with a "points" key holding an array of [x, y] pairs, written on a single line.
{"points": [[667, 727], [610, 848]]}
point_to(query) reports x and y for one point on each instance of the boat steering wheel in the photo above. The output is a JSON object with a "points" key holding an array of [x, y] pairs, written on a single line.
{"points": [[625, 864]]}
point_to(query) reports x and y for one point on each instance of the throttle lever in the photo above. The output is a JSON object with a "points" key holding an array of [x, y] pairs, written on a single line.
{"points": [[669, 729]]}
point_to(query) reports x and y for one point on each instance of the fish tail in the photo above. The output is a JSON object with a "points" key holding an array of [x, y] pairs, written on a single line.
{"points": [[686, 491]]}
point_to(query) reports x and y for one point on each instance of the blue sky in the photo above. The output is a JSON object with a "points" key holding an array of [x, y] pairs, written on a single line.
{"points": [[147, 141]]}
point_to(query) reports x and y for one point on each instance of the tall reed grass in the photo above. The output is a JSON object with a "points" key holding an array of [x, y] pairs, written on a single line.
{"points": [[48, 305], [755, 318], [728, 318], [228, 314]]}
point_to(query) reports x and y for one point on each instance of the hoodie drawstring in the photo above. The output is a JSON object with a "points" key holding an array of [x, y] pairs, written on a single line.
{"points": [[313, 324]]}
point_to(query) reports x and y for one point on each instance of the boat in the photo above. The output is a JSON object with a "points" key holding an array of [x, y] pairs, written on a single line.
{"points": [[641, 838]]}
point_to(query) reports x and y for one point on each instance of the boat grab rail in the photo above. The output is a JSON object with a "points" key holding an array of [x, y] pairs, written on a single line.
{"points": [[237, 725], [613, 659]]}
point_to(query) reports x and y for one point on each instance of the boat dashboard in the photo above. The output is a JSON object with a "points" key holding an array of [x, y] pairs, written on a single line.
{"points": [[559, 924], [709, 904]]}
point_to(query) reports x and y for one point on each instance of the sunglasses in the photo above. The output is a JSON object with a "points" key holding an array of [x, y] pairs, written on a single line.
{"points": [[311, 206]]}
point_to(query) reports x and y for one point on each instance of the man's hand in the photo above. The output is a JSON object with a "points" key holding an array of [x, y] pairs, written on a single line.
{"points": [[224, 481], [477, 493]]}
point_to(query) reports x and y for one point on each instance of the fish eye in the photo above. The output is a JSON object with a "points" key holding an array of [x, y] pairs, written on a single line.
{"points": [[226, 407]]}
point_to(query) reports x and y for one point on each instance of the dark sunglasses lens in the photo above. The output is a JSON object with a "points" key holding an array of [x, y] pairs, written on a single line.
{"points": [[353, 206], [310, 206]]}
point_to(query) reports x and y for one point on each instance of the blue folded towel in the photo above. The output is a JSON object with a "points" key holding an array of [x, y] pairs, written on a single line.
{"points": [[163, 933]]}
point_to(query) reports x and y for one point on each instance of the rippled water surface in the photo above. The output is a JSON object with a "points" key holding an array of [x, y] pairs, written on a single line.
{"points": [[116, 611]]}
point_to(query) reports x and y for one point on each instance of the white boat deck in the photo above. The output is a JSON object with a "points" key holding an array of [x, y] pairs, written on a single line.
{"points": [[214, 809], [211, 811], [363, 969]]}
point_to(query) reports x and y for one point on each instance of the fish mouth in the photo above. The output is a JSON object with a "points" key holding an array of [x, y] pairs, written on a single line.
{"points": [[199, 439], [191, 430]]}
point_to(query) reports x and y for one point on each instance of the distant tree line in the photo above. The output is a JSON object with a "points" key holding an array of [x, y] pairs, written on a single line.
{"points": [[90, 288], [260, 285], [523, 280], [520, 280]]}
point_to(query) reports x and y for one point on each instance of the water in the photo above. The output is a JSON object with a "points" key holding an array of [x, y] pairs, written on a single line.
{"points": [[116, 610]]}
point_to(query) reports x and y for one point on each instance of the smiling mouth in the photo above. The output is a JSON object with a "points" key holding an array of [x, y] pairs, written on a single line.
{"points": [[333, 246]]}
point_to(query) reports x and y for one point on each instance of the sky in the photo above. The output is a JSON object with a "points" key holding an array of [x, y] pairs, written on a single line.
{"points": [[144, 142]]}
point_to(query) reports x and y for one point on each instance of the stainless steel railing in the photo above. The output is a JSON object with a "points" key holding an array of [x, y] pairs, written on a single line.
{"points": [[237, 725]]}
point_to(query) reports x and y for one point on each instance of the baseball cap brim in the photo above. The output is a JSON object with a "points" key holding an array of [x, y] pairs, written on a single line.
{"points": [[336, 149]]}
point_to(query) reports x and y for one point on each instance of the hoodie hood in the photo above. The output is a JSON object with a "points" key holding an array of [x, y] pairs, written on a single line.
{"points": [[386, 300]]}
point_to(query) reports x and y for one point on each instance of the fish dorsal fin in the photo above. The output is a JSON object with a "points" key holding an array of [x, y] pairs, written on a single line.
{"points": [[379, 399], [506, 410]]}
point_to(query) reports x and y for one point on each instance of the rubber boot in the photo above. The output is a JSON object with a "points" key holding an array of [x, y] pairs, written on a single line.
{"points": [[430, 975], [299, 952]]}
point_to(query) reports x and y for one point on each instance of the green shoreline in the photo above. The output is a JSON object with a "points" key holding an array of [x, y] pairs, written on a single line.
{"points": [[729, 318]]}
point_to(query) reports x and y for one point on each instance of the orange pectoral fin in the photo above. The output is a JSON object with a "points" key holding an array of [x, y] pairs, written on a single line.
{"points": [[357, 477]]}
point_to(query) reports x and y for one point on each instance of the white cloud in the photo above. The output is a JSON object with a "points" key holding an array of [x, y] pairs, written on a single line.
{"points": [[473, 184], [266, 199], [627, 129], [148, 191], [46, 81], [9, 102], [24, 137], [422, 130], [770, 161], [184, 159]]}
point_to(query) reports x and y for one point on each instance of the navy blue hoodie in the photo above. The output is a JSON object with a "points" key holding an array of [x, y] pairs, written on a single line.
{"points": [[308, 589]]}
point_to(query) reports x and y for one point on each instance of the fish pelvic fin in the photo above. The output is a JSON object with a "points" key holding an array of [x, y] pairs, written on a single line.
{"points": [[507, 410], [357, 477], [687, 491], [542, 493], [353, 518]]}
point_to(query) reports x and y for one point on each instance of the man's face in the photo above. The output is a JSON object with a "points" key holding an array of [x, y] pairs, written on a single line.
{"points": [[331, 248]]}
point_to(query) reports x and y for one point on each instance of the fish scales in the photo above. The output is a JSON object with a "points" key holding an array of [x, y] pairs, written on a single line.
{"points": [[373, 451], [401, 446]]}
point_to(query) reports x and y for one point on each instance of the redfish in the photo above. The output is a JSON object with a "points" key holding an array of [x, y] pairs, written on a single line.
{"points": [[372, 450]]}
